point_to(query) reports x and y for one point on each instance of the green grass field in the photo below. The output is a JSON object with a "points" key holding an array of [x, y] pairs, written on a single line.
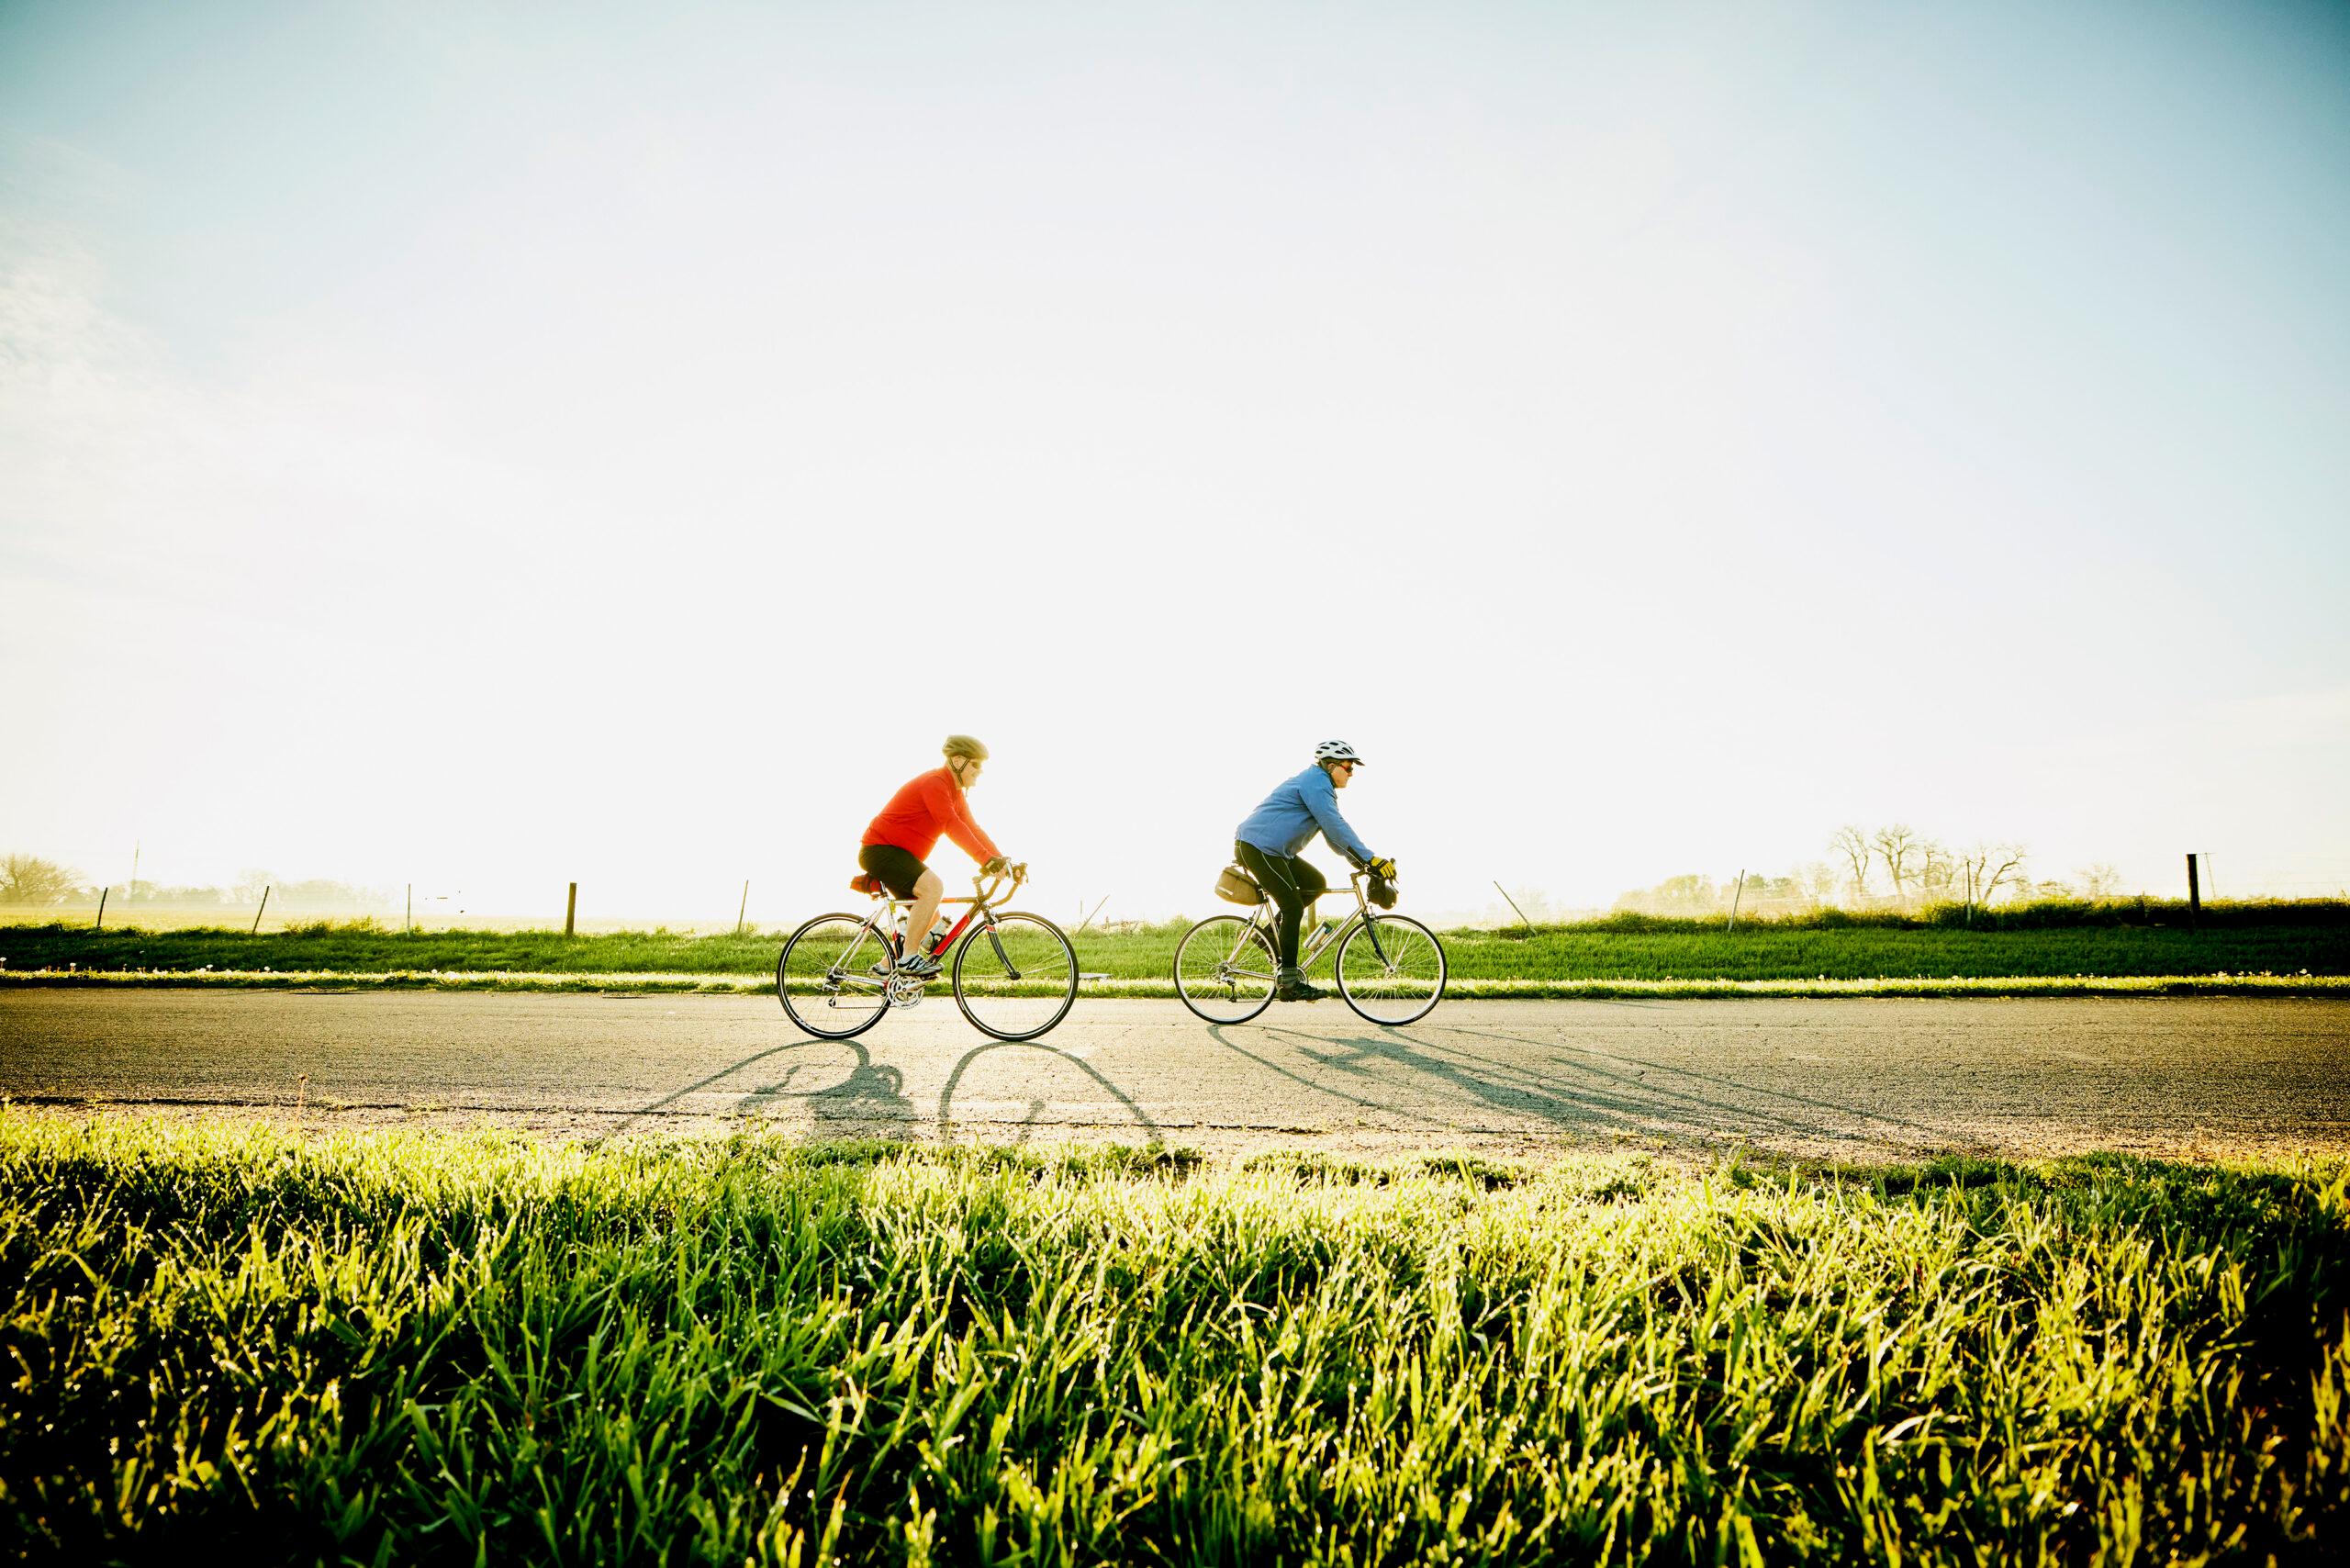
{"points": [[402, 1347], [2276, 939]]}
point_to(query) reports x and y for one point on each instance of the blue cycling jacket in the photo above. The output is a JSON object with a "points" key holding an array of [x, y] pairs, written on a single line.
{"points": [[1295, 812]]}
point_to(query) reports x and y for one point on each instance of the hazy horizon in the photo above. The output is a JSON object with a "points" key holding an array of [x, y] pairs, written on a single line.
{"points": [[1757, 891], [490, 450]]}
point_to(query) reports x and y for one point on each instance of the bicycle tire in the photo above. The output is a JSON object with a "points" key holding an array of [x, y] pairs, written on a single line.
{"points": [[1213, 973], [823, 968], [1392, 982], [1034, 947]]}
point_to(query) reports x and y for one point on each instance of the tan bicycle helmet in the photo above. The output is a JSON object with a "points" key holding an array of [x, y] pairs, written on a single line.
{"points": [[964, 745]]}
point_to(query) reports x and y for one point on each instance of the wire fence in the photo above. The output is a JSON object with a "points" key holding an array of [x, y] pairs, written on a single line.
{"points": [[1741, 897], [2224, 877], [435, 915]]}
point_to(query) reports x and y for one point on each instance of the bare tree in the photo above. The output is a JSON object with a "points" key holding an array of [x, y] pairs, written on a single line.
{"points": [[1819, 881], [1851, 846], [1894, 845], [1937, 870], [2099, 881], [1986, 867], [28, 878]]}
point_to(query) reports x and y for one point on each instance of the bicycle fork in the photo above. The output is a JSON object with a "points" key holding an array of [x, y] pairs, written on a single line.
{"points": [[996, 942]]}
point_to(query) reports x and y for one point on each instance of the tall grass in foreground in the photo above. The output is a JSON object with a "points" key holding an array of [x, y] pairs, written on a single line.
{"points": [[399, 1347]]}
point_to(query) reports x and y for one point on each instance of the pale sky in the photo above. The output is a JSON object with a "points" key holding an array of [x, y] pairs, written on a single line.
{"points": [[490, 446]]}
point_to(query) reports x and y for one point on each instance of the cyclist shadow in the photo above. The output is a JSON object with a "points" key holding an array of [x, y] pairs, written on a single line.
{"points": [[1221, 1034], [1598, 1098], [945, 1125], [870, 1102], [1713, 1084]]}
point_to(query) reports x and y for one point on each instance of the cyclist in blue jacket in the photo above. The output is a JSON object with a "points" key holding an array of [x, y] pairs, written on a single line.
{"points": [[1267, 846]]}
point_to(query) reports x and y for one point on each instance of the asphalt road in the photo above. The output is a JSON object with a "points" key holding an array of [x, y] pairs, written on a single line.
{"points": [[1859, 1078]]}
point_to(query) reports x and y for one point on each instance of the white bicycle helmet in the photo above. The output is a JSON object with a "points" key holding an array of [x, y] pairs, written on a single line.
{"points": [[1335, 751]]}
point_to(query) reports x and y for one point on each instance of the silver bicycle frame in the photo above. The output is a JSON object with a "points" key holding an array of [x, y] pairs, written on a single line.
{"points": [[1325, 939]]}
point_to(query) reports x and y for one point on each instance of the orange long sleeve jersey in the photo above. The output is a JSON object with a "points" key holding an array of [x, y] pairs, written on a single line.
{"points": [[928, 805]]}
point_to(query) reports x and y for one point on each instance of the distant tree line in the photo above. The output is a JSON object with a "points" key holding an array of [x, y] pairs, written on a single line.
{"points": [[30, 880], [1893, 868], [27, 879]]}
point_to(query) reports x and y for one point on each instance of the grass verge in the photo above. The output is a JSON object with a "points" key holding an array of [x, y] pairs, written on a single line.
{"points": [[405, 1346], [1553, 960], [2032, 940], [1458, 988]]}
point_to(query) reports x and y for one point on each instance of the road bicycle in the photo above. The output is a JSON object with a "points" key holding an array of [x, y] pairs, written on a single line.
{"points": [[1391, 969], [1015, 974]]}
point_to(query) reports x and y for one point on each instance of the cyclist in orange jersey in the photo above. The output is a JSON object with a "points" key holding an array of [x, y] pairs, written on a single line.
{"points": [[899, 840]]}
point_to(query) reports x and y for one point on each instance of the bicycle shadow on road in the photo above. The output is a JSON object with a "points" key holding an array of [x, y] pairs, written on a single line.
{"points": [[1219, 1033], [1715, 1081], [1514, 1094], [945, 1125], [1601, 1098], [870, 1102]]}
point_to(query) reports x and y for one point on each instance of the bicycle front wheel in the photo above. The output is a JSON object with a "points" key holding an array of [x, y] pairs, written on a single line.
{"points": [[1225, 969], [1016, 976], [1391, 969], [833, 977]]}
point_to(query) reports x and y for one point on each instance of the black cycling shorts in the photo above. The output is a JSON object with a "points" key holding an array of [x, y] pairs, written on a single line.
{"points": [[898, 871]]}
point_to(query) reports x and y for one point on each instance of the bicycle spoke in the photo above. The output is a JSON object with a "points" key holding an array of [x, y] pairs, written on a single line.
{"points": [[1016, 977], [826, 979], [1224, 970], [1392, 969]]}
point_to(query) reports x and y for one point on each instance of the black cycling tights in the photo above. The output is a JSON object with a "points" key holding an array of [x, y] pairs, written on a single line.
{"points": [[1292, 883]]}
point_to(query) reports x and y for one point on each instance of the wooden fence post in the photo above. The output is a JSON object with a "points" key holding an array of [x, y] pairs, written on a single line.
{"points": [[571, 909], [100, 924], [2194, 892], [1736, 896], [257, 913], [745, 906]]}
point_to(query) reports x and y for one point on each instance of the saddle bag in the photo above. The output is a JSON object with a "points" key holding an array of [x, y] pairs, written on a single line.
{"points": [[1236, 886]]}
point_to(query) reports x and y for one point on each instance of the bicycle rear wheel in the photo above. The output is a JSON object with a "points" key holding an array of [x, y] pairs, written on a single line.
{"points": [[1225, 969], [1392, 969], [825, 977], [1016, 976]]}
